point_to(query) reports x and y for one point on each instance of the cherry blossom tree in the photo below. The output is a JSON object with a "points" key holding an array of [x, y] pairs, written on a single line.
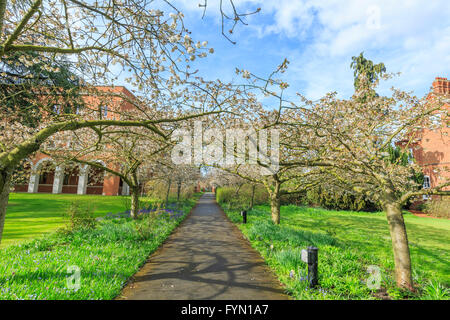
{"points": [[346, 144], [282, 156], [144, 42], [353, 138]]}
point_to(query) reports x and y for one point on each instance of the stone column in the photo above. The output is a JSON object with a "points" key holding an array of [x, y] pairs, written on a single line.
{"points": [[33, 184], [83, 179], [125, 189], [58, 180]]}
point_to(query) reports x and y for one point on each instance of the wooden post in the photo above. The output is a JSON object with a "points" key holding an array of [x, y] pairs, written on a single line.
{"points": [[312, 266], [244, 216]]}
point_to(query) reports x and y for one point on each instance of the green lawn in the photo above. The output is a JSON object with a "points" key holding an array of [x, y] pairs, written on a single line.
{"points": [[106, 257], [348, 243], [32, 214]]}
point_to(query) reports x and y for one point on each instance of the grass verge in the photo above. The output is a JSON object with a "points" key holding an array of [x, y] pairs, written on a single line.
{"points": [[348, 242], [106, 257], [32, 214]]}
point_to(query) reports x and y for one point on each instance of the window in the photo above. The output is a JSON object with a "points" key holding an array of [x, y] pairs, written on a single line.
{"points": [[426, 185], [43, 178], [66, 180], [426, 182], [57, 108], [104, 111], [411, 155]]}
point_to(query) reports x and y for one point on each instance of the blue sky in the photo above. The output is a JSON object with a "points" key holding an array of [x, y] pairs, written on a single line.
{"points": [[320, 37]]}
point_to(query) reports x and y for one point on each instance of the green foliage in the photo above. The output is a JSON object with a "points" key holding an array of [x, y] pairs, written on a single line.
{"points": [[330, 198], [435, 291], [297, 199], [22, 86], [397, 155], [30, 215], [363, 66], [348, 243], [145, 225], [339, 200], [224, 194], [157, 190], [79, 217], [240, 198], [107, 257], [439, 208]]}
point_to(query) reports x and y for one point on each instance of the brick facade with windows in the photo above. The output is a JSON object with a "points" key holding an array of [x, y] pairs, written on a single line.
{"points": [[432, 151], [80, 179]]}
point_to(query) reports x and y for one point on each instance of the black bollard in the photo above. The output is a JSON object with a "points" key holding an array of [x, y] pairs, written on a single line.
{"points": [[244, 216], [312, 266]]}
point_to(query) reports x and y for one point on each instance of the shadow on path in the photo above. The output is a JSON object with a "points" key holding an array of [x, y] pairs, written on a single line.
{"points": [[205, 258]]}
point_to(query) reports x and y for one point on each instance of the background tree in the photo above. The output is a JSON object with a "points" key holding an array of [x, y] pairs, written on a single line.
{"points": [[364, 67], [289, 162]]}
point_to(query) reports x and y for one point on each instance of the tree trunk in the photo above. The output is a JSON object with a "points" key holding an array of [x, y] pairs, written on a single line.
{"points": [[134, 201], [252, 200], [400, 245], [275, 208], [134, 188], [238, 189], [5, 181], [178, 190], [168, 191]]}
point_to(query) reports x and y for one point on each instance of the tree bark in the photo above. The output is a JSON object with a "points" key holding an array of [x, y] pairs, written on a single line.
{"points": [[168, 191], [178, 190], [237, 190], [2, 14], [5, 183], [400, 245], [134, 201], [275, 208], [134, 188]]}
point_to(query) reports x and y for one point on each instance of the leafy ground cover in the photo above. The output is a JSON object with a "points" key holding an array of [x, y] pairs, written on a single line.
{"points": [[348, 243], [106, 257]]}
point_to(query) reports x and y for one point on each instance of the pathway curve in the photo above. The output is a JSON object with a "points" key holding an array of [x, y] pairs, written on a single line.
{"points": [[205, 258]]}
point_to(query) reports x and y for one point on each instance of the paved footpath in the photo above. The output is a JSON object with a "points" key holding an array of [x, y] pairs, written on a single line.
{"points": [[205, 258]]}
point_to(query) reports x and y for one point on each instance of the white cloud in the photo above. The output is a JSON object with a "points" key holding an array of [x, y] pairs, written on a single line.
{"points": [[410, 36]]}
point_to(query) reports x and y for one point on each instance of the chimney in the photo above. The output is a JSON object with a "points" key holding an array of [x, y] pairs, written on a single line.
{"points": [[441, 86]]}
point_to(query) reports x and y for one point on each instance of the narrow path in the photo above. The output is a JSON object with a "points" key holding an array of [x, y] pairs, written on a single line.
{"points": [[205, 258]]}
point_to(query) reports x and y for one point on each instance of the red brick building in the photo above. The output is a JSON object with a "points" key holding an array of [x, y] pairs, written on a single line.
{"points": [[80, 179], [432, 152]]}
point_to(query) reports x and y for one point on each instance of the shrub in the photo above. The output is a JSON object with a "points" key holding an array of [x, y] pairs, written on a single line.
{"points": [[240, 198], [79, 217], [297, 199], [187, 192], [145, 225], [224, 194], [339, 200], [438, 208], [156, 189]]}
